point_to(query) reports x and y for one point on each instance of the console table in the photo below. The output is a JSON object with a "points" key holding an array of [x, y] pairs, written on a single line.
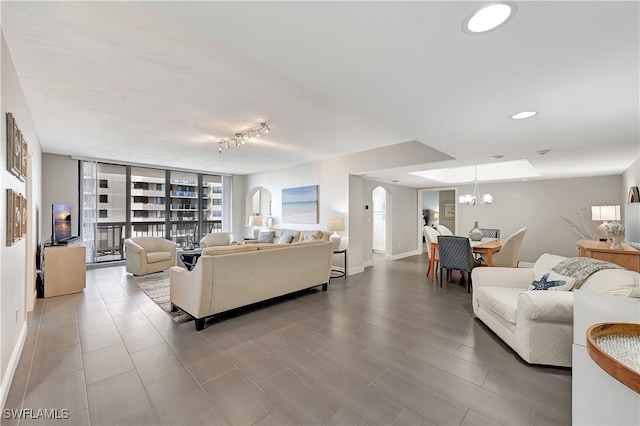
{"points": [[628, 257]]}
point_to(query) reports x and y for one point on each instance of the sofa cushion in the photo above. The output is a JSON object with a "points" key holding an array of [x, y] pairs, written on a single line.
{"points": [[266, 237], [618, 282], [501, 300], [550, 280], [308, 235], [308, 242], [268, 246], [158, 256], [545, 262], [220, 250]]}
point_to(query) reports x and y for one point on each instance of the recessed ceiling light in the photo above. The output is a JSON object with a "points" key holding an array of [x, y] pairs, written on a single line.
{"points": [[543, 152], [496, 157], [487, 18], [524, 114]]}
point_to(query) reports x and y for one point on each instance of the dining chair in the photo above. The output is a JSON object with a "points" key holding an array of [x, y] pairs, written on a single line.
{"points": [[456, 254], [509, 254], [490, 232], [443, 230], [431, 236]]}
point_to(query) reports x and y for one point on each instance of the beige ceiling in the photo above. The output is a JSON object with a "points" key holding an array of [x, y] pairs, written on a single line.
{"points": [[160, 82]]}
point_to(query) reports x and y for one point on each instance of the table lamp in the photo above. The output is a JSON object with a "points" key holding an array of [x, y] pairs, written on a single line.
{"points": [[334, 225], [605, 214], [256, 222]]}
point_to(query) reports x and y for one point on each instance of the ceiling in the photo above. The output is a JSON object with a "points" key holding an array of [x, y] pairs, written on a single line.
{"points": [[161, 82]]}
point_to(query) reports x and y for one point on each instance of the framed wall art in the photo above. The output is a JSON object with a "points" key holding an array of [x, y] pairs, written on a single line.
{"points": [[10, 214], [17, 216], [300, 205], [12, 135], [24, 216], [450, 210], [23, 159]]}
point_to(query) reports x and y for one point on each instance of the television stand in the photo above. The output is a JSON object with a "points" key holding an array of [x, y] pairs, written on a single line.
{"points": [[64, 270]]}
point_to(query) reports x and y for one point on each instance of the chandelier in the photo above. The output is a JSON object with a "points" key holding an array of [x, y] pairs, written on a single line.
{"points": [[472, 199], [242, 137]]}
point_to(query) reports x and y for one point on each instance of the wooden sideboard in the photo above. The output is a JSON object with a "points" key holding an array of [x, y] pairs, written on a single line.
{"points": [[628, 257]]}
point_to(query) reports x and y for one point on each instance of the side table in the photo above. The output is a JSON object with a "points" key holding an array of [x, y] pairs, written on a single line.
{"points": [[337, 273], [189, 257]]}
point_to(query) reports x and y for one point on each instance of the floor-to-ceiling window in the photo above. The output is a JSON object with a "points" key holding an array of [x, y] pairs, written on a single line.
{"points": [[128, 201]]}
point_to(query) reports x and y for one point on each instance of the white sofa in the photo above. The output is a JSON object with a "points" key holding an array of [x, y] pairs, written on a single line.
{"points": [[229, 277], [146, 255], [538, 325]]}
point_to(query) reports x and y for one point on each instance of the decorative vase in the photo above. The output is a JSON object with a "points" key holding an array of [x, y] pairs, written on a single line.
{"points": [[616, 243], [476, 233]]}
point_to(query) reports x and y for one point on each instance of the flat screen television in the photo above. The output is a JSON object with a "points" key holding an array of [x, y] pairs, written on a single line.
{"points": [[60, 223]]}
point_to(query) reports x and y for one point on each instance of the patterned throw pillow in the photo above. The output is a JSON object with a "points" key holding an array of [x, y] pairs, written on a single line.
{"points": [[266, 237], [549, 280]]}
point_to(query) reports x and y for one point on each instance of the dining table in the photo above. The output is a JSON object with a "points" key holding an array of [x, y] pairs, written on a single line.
{"points": [[486, 246]]}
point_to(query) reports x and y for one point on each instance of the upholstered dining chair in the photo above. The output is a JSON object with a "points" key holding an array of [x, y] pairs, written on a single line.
{"points": [[490, 232], [443, 230], [431, 236], [509, 254], [456, 254]]}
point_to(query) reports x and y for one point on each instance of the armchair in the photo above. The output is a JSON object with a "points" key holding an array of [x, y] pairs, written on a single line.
{"points": [[146, 255], [216, 239]]}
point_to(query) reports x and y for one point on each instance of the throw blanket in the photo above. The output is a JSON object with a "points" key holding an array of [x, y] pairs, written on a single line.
{"points": [[581, 268]]}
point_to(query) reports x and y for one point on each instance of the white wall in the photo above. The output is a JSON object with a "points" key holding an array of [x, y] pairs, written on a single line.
{"points": [[60, 186], [538, 205], [17, 262]]}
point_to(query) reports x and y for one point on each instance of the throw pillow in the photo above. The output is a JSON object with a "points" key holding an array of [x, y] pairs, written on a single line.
{"points": [[309, 238], [266, 237], [550, 280], [285, 239]]}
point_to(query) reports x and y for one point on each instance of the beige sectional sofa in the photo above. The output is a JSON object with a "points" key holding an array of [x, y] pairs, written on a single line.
{"points": [[229, 277], [537, 324]]}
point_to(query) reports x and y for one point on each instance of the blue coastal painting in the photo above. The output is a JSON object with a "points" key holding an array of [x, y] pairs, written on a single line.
{"points": [[300, 205]]}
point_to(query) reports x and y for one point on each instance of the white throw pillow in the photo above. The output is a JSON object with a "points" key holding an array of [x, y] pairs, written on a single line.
{"points": [[550, 280], [285, 238]]}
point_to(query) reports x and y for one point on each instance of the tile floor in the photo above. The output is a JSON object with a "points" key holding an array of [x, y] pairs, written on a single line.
{"points": [[384, 347]]}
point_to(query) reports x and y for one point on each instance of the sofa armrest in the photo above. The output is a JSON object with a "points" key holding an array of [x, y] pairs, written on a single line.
{"points": [[545, 306], [502, 277], [132, 246]]}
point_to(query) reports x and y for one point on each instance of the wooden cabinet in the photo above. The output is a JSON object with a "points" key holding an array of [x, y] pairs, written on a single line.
{"points": [[628, 257], [64, 270]]}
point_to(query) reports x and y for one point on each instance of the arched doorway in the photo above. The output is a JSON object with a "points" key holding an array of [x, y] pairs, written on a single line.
{"points": [[258, 203]]}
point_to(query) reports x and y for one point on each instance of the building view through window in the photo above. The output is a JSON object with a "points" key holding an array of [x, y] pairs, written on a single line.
{"points": [[137, 201]]}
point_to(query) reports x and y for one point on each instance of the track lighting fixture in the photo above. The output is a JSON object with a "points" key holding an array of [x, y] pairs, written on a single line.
{"points": [[242, 137]]}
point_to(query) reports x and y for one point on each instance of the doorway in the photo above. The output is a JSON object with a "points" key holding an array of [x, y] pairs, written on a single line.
{"points": [[436, 207], [379, 240]]}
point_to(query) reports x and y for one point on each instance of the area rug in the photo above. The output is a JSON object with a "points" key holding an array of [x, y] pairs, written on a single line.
{"points": [[156, 286]]}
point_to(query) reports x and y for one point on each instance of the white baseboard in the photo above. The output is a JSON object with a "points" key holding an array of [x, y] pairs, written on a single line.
{"points": [[403, 255], [368, 263], [7, 376], [356, 270]]}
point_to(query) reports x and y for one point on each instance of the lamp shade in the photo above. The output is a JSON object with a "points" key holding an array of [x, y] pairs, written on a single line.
{"points": [[335, 224], [255, 220], [605, 212]]}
